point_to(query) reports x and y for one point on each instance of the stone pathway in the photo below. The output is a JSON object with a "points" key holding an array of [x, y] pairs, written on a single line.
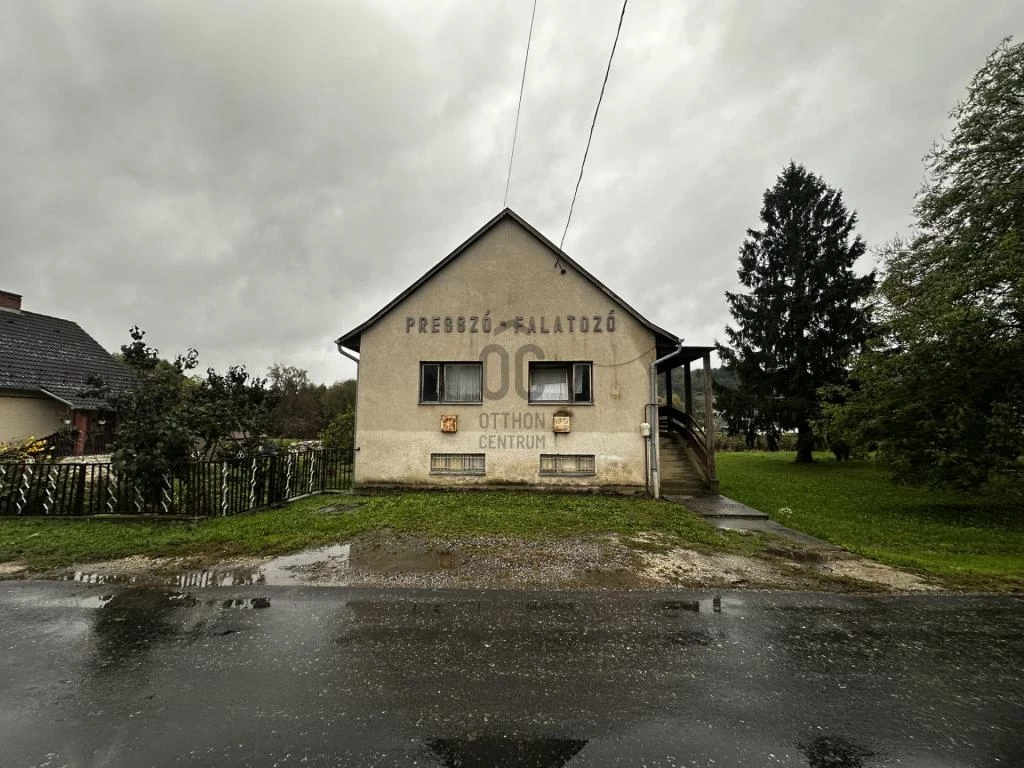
{"points": [[723, 512]]}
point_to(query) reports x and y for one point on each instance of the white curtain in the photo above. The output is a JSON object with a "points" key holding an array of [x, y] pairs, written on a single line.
{"points": [[462, 384], [549, 384]]}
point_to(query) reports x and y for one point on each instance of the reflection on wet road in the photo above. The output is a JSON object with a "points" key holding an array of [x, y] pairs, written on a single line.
{"points": [[325, 567], [263, 675]]}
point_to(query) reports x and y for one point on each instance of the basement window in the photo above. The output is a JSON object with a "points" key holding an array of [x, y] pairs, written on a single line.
{"points": [[458, 464], [560, 382], [451, 383], [566, 464]]}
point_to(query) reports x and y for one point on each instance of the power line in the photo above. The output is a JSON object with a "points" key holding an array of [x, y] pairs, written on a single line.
{"points": [[593, 123], [519, 106]]}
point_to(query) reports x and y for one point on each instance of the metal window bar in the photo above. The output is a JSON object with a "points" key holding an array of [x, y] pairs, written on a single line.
{"points": [[458, 464], [567, 464]]}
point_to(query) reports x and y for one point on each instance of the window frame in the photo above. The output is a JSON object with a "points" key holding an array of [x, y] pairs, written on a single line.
{"points": [[558, 458], [570, 367], [465, 457], [441, 378]]}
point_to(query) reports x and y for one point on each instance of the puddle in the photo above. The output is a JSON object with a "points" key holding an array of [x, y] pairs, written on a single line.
{"points": [[690, 637], [80, 601], [83, 577], [253, 603], [326, 566], [710, 605], [400, 559], [128, 623], [613, 577], [489, 751], [834, 752], [550, 605]]}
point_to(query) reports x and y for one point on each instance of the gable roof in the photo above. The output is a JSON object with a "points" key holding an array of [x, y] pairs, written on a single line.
{"points": [[664, 339], [53, 356]]}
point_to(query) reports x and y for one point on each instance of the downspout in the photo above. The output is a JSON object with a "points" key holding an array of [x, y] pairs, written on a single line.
{"points": [[645, 432], [655, 477], [355, 414]]}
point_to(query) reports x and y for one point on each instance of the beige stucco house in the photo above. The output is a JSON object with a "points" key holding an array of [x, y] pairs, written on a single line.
{"points": [[508, 364], [45, 366]]}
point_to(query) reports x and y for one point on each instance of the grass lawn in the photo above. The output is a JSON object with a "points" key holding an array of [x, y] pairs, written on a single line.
{"points": [[53, 543], [973, 541]]}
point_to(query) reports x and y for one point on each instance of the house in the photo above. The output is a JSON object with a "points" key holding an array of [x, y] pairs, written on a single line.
{"points": [[508, 364], [44, 366]]}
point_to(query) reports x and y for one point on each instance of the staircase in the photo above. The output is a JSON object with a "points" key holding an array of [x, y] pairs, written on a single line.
{"points": [[680, 475]]}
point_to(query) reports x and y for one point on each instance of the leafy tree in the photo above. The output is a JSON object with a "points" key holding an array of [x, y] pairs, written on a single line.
{"points": [[339, 397], [298, 412], [167, 417], [942, 390], [229, 413], [304, 409], [340, 433], [804, 313]]}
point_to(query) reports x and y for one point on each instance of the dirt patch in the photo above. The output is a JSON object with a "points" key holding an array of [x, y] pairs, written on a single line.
{"points": [[383, 559], [884, 575], [11, 569]]}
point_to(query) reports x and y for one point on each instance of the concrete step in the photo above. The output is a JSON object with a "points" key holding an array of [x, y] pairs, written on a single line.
{"points": [[680, 472], [683, 490]]}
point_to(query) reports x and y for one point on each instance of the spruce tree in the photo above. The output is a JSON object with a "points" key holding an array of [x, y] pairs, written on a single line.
{"points": [[941, 392], [804, 313]]}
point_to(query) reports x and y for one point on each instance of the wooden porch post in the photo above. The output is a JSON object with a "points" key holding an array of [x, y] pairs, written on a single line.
{"points": [[668, 387], [709, 424], [687, 390]]}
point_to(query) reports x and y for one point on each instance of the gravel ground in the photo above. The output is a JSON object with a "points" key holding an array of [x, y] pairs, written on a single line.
{"points": [[383, 560]]}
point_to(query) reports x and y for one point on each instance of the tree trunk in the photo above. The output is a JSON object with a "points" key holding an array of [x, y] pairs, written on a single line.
{"points": [[804, 444]]}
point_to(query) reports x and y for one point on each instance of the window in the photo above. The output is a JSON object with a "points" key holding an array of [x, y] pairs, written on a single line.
{"points": [[458, 464], [451, 382], [566, 464], [560, 383]]}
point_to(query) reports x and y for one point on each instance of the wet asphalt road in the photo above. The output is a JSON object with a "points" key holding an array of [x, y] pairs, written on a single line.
{"points": [[281, 676]]}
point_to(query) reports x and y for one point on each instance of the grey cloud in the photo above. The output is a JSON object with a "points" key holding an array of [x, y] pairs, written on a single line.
{"points": [[252, 178]]}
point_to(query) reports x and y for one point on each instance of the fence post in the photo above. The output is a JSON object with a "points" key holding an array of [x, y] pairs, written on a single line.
{"points": [[252, 484], [165, 500], [80, 491], [224, 488], [51, 486], [288, 476], [111, 490], [26, 479]]}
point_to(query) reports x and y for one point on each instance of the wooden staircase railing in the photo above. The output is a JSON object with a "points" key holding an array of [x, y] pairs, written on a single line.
{"points": [[673, 421]]}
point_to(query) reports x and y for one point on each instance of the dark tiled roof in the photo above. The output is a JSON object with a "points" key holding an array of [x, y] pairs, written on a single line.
{"points": [[55, 356]]}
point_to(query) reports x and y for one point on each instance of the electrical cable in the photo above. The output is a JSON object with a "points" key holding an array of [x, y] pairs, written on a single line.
{"points": [[593, 123], [522, 85]]}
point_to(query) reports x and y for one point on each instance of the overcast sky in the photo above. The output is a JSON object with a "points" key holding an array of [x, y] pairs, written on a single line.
{"points": [[254, 178]]}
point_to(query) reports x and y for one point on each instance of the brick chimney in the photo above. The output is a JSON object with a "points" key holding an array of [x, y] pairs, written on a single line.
{"points": [[10, 300]]}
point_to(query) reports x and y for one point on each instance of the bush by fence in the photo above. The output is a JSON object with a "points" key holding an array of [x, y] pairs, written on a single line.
{"points": [[196, 489]]}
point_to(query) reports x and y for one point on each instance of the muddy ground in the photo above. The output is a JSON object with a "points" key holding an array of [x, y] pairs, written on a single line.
{"points": [[383, 559]]}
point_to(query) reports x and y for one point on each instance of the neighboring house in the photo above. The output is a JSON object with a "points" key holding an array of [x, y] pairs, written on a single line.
{"points": [[44, 366], [509, 364]]}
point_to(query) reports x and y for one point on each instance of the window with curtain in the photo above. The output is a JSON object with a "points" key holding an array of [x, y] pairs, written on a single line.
{"points": [[451, 382], [560, 382]]}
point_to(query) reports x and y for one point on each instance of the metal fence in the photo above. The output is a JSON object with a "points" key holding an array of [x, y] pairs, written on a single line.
{"points": [[196, 489]]}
